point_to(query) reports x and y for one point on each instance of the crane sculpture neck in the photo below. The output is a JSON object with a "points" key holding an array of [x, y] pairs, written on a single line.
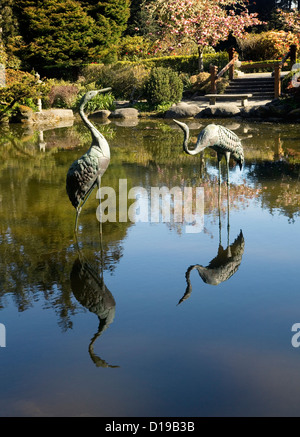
{"points": [[98, 139], [199, 146]]}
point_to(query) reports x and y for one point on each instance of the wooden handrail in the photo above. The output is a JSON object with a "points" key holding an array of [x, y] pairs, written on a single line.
{"points": [[292, 53], [230, 63], [277, 71], [214, 75], [284, 58]]}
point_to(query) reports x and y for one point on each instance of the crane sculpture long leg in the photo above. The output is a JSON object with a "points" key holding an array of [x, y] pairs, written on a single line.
{"points": [[83, 175], [223, 141], [80, 206], [227, 156], [100, 218]]}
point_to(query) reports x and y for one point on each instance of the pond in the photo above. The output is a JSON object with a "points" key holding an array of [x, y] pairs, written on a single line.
{"points": [[145, 318]]}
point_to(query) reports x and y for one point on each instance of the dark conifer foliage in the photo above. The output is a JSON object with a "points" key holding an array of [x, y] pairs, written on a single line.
{"points": [[68, 31]]}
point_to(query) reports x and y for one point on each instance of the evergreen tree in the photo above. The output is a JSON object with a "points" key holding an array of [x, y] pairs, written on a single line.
{"points": [[8, 21], [266, 8], [69, 31], [267, 11], [110, 17], [134, 21], [55, 32]]}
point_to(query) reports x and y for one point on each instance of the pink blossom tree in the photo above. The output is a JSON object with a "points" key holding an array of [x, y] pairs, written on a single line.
{"points": [[291, 20], [204, 22]]}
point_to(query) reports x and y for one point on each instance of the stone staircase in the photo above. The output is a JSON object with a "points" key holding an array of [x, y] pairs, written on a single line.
{"points": [[261, 86]]}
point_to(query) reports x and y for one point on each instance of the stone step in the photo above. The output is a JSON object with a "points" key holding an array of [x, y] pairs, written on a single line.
{"points": [[249, 90], [252, 79], [251, 85], [260, 88]]}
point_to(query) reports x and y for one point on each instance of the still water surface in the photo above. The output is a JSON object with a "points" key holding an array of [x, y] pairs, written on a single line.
{"points": [[96, 329]]}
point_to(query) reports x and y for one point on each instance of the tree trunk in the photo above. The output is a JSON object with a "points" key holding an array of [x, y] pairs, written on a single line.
{"points": [[200, 60]]}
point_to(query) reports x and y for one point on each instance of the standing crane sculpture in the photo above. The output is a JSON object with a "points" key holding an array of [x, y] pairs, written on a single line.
{"points": [[219, 138], [86, 172]]}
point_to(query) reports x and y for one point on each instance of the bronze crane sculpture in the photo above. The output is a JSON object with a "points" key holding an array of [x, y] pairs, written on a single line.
{"points": [[219, 138], [86, 172]]}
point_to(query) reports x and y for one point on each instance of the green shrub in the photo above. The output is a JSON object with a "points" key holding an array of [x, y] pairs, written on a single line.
{"points": [[126, 80], [164, 85], [62, 96], [133, 48], [266, 45], [100, 101], [90, 73], [21, 89], [200, 83]]}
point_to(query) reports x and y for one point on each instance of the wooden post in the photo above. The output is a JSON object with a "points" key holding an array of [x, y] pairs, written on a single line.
{"points": [[277, 83], [39, 100], [293, 54], [231, 54], [213, 77]]}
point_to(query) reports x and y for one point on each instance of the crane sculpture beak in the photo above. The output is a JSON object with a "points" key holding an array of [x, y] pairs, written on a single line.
{"points": [[103, 90]]}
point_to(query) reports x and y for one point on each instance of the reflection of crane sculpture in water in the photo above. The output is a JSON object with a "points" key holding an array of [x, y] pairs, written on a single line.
{"points": [[225, 264], [219, 138], [91, 291], [85, 173], [221, 268]]}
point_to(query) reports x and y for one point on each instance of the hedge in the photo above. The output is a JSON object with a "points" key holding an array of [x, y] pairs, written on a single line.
{"points": [[183, 64], [180, 64], [264, 66]]}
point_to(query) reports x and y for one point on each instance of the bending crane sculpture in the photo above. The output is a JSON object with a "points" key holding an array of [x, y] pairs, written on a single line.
{"points": [[85, 173], [219, 138]]}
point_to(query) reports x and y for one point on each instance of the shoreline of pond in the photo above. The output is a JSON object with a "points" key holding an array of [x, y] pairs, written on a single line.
{"points": [[274, 111]]}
